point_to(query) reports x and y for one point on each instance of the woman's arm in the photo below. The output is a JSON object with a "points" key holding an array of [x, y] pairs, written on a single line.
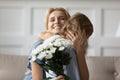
{"points": [[37, 72]]}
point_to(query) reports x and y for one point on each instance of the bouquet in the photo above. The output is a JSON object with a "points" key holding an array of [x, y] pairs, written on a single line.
{"points": [[53, 55]]}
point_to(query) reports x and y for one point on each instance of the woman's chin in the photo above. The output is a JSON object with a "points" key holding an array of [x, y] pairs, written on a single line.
{"points": [[56, 31]]}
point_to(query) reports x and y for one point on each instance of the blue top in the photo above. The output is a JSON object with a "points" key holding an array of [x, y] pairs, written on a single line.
{"points": [[71, 70]]}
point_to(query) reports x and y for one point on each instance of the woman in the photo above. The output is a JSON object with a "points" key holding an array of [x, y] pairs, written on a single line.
{"points": [[55, 19]]}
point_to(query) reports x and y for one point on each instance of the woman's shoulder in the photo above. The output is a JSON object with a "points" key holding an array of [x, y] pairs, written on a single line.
{"points": [[38, 42], [34, 46], [41, 35]]}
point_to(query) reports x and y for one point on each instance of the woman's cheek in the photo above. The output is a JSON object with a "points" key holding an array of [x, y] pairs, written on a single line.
{"points": [[50, 26]]}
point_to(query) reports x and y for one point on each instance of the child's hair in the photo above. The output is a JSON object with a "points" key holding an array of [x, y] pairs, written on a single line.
{"points": [[78, 23]]}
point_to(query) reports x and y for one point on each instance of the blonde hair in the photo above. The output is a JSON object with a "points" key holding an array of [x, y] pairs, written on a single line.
{"points": [[50, 10]]}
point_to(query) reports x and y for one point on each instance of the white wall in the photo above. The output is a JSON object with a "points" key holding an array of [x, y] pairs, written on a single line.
{"points": [[22, 20]]}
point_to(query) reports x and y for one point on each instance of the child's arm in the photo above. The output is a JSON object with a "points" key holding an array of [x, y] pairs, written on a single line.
{"points": [[45, 35]]}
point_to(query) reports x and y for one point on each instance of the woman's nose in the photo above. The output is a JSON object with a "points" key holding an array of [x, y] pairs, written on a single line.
{"points": [[56, 20]]}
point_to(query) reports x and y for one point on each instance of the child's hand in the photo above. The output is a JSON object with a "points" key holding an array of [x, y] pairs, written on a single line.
{"points": [[45, 35]]}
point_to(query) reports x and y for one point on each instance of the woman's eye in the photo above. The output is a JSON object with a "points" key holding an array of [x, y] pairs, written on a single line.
{"points": [[62, 18], [51, 20]]}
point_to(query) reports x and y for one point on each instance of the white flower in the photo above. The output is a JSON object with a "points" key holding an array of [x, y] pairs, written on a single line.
{"points": [[49, 46], [57, 43], [52, 50], [34, 51], [67, 43], [49, 56], [33, 58], [40, 48], [61, 48], [41, 55]]}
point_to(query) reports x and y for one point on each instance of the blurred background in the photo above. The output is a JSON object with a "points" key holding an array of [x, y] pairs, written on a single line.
{"points": [[21, 21]]}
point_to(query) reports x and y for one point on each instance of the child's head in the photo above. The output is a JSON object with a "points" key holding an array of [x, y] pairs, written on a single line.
{"points": [[78, 23]]}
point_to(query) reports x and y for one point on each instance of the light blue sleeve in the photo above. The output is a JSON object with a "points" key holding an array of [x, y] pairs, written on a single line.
{"points": [[29, 75], [72, 68], [30, 54]]}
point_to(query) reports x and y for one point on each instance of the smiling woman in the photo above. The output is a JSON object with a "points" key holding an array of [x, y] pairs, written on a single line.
{"points": [[55, 19]]}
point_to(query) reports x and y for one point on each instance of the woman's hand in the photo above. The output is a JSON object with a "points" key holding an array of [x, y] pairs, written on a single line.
{"points": [[61, 77]]}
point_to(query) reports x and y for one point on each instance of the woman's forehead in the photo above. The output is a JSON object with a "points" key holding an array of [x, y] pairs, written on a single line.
{"points": [[57, 13]]}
